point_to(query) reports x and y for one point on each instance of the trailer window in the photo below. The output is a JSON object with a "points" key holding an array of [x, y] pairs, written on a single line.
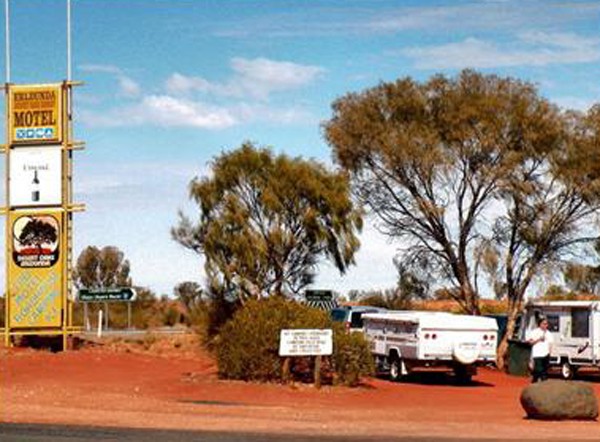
{"points": [[580, 323], [553, 320], [553, 323], [356, 320]]}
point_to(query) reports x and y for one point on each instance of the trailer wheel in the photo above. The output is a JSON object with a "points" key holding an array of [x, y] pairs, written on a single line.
{"points": [[567, 371], [395, 368]]}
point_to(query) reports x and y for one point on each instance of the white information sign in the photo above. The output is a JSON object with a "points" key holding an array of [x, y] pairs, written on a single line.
{"points": [[306, 342], [35, 176]]}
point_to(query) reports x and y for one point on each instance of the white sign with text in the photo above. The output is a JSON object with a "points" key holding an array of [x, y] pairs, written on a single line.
{"points": [[35, 176], [306, 342]]}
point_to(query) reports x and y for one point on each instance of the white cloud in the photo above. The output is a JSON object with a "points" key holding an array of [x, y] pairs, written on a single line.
{"points": [[256, 78], [262, 76], [127, 86], [564, 40], [536, 49], [482, 15], [169, 111], [252, 80], [475, 15], [411, 18], [181, 84], [101, 68], [162, 110]]}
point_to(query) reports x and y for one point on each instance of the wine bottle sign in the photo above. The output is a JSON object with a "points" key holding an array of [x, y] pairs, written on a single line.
{"points": [[35, 177], [35, 187]]}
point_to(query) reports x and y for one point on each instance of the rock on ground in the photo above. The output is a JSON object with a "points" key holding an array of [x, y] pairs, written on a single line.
{"points": [[560, 400]]}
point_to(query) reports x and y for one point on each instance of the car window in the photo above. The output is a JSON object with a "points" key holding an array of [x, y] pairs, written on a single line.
{"points": [[338, 315]]}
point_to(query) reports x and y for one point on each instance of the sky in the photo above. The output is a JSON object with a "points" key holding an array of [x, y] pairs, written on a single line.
{"points": [[170, 84]]}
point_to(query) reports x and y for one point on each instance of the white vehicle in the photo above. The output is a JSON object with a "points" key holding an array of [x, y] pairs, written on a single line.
{"points": [[404, 341], [351, 316], [575, 327]]}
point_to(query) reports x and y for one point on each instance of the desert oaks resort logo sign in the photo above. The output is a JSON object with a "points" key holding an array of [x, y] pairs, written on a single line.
{"points": [[36, 240]]}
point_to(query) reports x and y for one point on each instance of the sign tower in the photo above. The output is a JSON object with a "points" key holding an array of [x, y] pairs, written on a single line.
{"points": [[39, 204]]}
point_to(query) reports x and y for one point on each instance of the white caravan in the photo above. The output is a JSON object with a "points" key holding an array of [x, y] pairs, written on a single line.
{"points": [[575, 327], [403, 341]]}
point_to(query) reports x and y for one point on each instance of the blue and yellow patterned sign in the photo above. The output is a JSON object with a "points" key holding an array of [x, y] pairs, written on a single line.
{"points": [[35, 269]]}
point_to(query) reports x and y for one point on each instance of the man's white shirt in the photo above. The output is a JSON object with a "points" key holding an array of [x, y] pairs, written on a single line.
{"points": [[542, 348]]}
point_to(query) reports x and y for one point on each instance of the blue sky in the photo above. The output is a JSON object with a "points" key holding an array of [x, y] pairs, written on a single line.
{"points": [[169, 84]]}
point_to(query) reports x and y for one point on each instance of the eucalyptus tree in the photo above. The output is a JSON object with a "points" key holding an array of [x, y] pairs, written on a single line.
{"points": [[190, 295], [102, 268], [266, 220], [427, 159], [552, 204], [584, 277], [472, 173]]}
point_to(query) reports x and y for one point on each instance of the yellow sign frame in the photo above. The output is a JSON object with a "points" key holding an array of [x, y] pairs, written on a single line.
{"points": [[35, 114], [56, 317]]}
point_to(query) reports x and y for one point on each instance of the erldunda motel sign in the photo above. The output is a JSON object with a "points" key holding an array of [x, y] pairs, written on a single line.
{"points": [[39, 210]]}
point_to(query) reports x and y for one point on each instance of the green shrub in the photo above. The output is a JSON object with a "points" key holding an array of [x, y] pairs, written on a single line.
{"points": [[352, 358], [248, 344]]}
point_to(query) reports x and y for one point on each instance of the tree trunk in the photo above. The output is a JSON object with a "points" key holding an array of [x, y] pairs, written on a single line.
{"points": [[471, 299], [514, 308]]}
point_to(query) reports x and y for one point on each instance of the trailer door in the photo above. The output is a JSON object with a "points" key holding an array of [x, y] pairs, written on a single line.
{"points": [[581, 335]]}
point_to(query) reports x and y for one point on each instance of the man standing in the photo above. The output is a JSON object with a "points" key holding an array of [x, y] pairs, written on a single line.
{"points": [[541, 341]]}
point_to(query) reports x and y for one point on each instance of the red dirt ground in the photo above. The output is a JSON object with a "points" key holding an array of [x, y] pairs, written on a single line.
{"points": [[173, 387]]}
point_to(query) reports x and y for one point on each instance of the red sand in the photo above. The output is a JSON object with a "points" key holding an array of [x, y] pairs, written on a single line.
{"points": [[123, 388]]}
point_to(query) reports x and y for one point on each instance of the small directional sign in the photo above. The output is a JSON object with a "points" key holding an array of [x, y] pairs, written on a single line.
{"points": [[321, 299], [318, 295], [123, 294]]}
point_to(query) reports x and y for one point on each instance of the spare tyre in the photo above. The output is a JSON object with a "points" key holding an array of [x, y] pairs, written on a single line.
{"points": [[466, 353]]}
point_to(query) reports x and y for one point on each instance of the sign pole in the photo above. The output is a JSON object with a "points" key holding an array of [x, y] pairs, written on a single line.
{"points": [[65, 215], [68, 40], [99, 334], [318, 372], [7, 237], [7, 38], [129, 315], [6, 193], [105, 316]]}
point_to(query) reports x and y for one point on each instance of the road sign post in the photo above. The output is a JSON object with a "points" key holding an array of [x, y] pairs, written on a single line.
{"points": [[105, 296]]}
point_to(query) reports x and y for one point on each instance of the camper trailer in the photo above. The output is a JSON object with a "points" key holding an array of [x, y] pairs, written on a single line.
{"points": [[405, 341], [575, 327]]}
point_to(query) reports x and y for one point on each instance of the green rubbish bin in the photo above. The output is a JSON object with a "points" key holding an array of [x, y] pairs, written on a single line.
{"points": [[519, 354]]}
